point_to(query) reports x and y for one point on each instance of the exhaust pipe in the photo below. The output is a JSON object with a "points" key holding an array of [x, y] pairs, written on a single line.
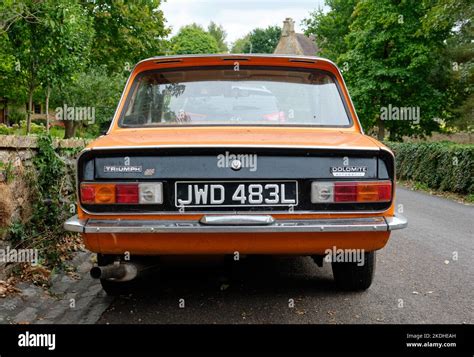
{"points": [[116, 271]]}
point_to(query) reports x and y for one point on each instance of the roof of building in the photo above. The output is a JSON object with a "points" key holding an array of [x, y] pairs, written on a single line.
{"points": [[295, 43], [307, 44]]}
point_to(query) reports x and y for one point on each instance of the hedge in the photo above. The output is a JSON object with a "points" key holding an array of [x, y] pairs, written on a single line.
{"points": [[441, 166]]}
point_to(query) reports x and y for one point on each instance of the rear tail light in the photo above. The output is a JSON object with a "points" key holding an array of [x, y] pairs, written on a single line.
{"points": [[351, 192], [87, 193], [127, 193], [122, 193], [322, 192], [374, 192], [151, 193], [345, 192], [105, 194]]}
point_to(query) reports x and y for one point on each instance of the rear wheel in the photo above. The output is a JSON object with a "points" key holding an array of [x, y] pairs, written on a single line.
{"points": [[355, 276]]}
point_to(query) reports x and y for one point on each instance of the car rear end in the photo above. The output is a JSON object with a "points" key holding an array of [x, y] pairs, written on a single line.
{"points": [[298, 201], [218, 155]]}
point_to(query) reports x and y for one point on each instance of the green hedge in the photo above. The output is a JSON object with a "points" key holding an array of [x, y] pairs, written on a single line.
{"points": [[441, 166]]}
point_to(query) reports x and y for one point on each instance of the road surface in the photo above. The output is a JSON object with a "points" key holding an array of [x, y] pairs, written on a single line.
{"points": [[424, 275]]}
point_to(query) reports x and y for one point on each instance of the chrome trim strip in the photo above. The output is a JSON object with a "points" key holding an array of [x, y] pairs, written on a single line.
{"points": [[196, 213], [237, 220], [369, 224], [396, 222], [74, 224]]}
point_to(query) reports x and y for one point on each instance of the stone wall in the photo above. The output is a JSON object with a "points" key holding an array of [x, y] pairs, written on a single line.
{"points": [[16, 154], [17, 172]]}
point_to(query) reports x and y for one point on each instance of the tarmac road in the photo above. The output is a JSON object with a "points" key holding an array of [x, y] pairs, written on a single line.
{"points": [[424, 275]]}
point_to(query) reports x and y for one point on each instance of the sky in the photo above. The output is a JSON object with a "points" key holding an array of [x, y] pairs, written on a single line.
{"points": [[238, 17]]}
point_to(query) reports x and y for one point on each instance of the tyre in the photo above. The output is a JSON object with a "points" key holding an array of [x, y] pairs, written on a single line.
{"points": [[113, 288], [351, 276]]}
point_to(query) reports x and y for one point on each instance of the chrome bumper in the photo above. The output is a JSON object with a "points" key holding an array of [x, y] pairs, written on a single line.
{"points": [[236, 224]]}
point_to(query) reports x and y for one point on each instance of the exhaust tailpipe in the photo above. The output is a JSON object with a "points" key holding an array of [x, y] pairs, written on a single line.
{"points": [[117, 271]]}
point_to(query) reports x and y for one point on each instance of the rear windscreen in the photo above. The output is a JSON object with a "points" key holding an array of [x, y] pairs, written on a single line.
{"points": [[227, 97]]}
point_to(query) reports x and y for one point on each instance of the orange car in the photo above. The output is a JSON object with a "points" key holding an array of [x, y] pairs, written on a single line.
{"points": [[235, 155]]}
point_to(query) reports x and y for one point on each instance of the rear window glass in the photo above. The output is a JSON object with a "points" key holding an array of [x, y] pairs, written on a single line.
{"points": [[227, 97]]}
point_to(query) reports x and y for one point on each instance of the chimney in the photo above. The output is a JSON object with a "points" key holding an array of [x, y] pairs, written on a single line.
{"points": [[288, 27]]}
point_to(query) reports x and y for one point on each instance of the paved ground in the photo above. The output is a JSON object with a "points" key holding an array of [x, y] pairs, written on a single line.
{"points": [[424, 275], [71, 298]]}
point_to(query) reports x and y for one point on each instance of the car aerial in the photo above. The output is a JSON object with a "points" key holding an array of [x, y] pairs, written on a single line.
{"points": [[235, 155]]}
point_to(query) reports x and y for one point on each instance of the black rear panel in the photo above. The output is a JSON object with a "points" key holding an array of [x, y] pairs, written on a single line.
{"points": [[213, 164]]}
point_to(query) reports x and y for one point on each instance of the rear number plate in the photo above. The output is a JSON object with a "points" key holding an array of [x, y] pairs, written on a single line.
{"points": [[236, 193]]}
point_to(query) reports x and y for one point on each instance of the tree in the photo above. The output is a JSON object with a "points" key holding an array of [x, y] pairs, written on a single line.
{"points": [[23, 22], [239, 46], [95, 90], [219, 34], [48, 46], [48, 39], [12, 85], [457, 14], [258, 41], [66, 37], [126, 32], [389, 59], [331, 28], [192, 39], [393, 61]]}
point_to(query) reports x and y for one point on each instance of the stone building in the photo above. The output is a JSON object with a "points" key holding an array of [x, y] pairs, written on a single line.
{"points": [[292, 43]]}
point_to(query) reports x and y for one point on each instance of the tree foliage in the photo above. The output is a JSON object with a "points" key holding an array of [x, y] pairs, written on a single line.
{"points": [[330, 29], [239, 46], [11, 84], [390, 56], [94, 88], [66, 35], [51, 46], [219, 34], [126, 32], [48, 40], [460, 53], [193, 39]]}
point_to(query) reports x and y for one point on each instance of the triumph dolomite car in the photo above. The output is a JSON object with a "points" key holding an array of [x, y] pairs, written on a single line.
{"points": [[235, 154]]}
